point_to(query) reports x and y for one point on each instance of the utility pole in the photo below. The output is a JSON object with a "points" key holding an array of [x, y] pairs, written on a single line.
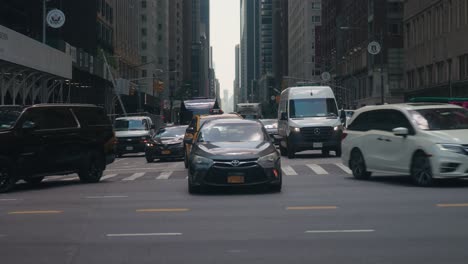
{"points": [[44, 14]]}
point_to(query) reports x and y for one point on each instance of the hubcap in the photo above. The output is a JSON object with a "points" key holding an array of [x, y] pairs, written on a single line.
{"points": [[357, 164], [422, 170]]}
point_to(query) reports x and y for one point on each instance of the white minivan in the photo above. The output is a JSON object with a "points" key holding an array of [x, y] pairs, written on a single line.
{"points": [[308, 119]]}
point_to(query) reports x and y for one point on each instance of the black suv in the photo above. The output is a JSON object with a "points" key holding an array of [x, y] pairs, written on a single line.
{"points": [[42, 140]]}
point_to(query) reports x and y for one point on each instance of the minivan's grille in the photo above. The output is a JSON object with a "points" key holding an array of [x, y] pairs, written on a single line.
{"points": [[316, 133]]}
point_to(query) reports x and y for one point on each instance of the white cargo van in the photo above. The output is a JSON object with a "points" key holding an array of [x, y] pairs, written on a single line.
{"points": [[308, 119]]}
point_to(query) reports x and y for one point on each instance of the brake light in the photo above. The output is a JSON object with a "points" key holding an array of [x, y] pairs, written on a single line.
{"points": [[275, 172], [343, 135]]}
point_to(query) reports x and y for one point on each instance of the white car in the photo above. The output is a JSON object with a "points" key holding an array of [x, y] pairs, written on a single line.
{"points": [[426, 141]]}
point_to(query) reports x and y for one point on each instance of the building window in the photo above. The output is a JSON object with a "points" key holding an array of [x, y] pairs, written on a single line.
{"points": [[144, 32], [159, 37], [143, 46], [440, 72], [159, 26], [463, 70], [144, 73], [143, 4], [144, 59], [160, 60], [430, 75], [143, 18]]}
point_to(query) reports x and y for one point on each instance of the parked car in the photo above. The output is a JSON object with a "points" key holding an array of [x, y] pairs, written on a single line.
{"points": [[271, 126], [167, 144], [233, 152], [425, 140], [194, 127], [43, 140], [133, 133]]}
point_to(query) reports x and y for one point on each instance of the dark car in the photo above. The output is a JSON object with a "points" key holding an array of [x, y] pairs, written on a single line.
{"points": [[133, 133], [43, 140], [233, 152], [271, 126], [167, 144]]}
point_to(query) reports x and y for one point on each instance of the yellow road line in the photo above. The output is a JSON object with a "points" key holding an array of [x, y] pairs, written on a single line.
{"points": [[453, 205], [311, 208], [34, 212], [163, 210]]}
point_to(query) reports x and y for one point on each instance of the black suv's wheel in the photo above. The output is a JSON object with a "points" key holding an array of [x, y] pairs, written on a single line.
{"points": [[290, 150], [7, 180], [34, 180], [92, 169], [421, 171], [185, 160], [357, 165], [192, 189], [149, 159]]}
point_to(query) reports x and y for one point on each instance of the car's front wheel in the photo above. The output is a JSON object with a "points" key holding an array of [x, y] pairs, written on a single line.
{"points": [[185, 160], [421, 171], [193, 189], [7, 180], [290, 150], [283, 150], [92, 169], [357, 165]]}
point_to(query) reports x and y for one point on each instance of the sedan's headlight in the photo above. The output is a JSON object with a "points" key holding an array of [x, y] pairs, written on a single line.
{"points": [[202, 161], [453, 148], [268, 160], [295, 129]]}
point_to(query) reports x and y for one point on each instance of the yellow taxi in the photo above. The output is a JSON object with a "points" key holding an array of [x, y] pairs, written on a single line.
{"points": [[194, 127]]}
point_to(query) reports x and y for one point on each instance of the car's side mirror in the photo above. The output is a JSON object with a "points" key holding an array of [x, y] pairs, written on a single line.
{"points": [[401, 131], [190, 130], [284, 116], [29, 126], [188, 141]]}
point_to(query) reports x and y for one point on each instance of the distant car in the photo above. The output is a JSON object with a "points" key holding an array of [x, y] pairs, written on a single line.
{"points": [[271, 126], [425, 140], [167, 144], [233, 152], [194, 126], [133, 132], [43, 140]]}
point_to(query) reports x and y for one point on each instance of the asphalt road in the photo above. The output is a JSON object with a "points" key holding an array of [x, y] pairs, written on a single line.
{"points": [[142, 213]]}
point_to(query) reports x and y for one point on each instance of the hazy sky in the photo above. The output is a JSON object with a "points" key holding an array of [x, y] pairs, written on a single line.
{"points": [[225, 32]]}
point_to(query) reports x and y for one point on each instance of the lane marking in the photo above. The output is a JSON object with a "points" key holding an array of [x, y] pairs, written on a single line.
{"points": [[164, 175], [106, 197], [8, 200], [317, 169], [134, 176], [311, 207], [453, 205], [162, 210], [144, 234], [339, 231], [344, 168], [35, 212], [150, 169], [108, 176], [288, 170], [120, 159]]}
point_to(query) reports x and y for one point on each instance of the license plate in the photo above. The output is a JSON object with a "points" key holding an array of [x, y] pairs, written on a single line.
{"points": [[318, 145], [235, 179], [166, 152], [129, 148]]}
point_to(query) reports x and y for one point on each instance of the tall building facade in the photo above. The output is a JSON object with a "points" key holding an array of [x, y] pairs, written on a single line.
{"points": [[236, 84], [176, 51], [436, 54], [304, 19]]}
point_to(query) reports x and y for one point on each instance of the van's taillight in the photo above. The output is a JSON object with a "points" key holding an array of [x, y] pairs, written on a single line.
{"points": [[343, 135]]}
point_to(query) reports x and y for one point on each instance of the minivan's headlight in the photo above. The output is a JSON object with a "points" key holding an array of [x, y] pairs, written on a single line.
{"points": [[295, 129], [202, 161], [268, 160], [453, 148]]}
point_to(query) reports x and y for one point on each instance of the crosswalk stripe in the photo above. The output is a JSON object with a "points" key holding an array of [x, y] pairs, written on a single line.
{"points": [[344, 168], [108, 176], [134, 176], [288, 170], [164, 175], [317, 169]]}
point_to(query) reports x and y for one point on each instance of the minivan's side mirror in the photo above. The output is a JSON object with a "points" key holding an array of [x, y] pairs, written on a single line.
{"points": [[284, 116], [190, 130], [400, 131]]}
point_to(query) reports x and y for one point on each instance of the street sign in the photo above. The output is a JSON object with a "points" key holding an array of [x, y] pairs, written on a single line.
{"points": [[326, 76], [374, 48], [55, 18]]}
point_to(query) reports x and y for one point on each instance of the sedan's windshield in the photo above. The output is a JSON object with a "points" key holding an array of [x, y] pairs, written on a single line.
{"points": [[441, 119], [314, 107], [8, 117], [172, 132], [232, 133], [130, 124]]}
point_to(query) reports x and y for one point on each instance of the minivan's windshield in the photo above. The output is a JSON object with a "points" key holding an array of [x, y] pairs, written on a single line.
{"points": [[130, 124], [441, 118], [313, 107], [8, 117]]}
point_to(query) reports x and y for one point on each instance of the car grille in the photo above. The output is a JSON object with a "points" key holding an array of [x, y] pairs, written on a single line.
{"points": [[317, 133], [243, 163], [129, 140], [219, 175]]}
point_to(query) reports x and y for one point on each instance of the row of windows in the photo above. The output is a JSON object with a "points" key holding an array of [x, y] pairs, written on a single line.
{"points": [[437, 73], [105, 10], [104, 33]]}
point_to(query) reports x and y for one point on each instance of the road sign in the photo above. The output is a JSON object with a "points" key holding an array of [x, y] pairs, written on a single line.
{"points": [[326, 76], [374, 48], [55, 18]]}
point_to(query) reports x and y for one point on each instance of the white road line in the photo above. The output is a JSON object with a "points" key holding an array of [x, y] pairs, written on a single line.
{"points": [[317, 169], [339, 231], [134, 176], [8, 200], [144, 234], [106, 197], [164, 175], [150, 169], [344, 168], [108, 176], [288, 170], [119, 160]]}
